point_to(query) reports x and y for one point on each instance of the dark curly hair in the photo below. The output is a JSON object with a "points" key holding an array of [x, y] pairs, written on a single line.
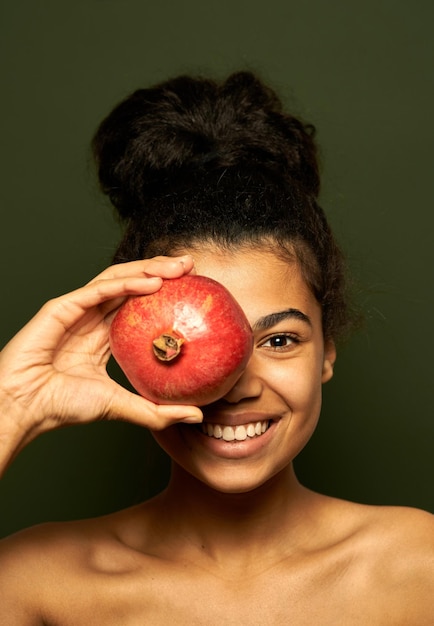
{"points": [[193, 161]]}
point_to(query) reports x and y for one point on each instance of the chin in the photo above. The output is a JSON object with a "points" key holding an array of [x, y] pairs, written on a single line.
{"points": [[236, 481]]}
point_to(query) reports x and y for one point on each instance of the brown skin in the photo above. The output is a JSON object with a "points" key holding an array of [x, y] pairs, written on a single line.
{"points": [[235, 539], [53, 372]]}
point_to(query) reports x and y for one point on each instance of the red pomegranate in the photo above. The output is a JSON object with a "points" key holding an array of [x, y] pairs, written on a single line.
{"points": [[187, 343]]}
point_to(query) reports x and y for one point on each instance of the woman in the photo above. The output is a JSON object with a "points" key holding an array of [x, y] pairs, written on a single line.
{"points": [[215, 179]]}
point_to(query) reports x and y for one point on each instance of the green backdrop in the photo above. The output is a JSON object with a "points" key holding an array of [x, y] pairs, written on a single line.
{"points": [[362, 72]]}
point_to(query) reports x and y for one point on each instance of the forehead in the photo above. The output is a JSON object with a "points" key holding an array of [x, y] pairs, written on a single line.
{"points": [[260, 281]]}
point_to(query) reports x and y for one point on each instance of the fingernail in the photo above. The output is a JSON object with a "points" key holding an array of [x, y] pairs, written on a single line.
{"points": [[186, 257], [193, 419]]}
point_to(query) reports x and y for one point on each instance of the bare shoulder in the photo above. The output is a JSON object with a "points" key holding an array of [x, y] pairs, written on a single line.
{"points": [[23, 568], [41, 565], [30, 562], [385, 557], [403, 531], [392, 534], [396, 550]]}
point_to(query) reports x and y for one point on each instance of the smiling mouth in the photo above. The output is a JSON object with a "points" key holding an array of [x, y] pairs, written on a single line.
{"points": [[235, 433]]}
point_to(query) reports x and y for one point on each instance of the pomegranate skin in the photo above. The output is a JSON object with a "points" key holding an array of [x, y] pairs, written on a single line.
{"points": [[215, 341]]}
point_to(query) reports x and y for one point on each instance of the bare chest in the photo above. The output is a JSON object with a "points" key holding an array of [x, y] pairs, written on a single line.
{"points": [[181, 596]]}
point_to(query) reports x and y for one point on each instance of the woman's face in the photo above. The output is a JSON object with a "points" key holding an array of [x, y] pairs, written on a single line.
{"points": [[281, 387]]}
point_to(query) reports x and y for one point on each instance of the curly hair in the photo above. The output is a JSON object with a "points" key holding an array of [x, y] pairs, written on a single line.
{"points": [[193, 161]]}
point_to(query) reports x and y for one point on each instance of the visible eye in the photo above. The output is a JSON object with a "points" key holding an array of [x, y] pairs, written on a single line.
{"points": [[281, 342]]}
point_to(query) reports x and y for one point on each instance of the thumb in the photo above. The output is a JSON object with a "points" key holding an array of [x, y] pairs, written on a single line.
{"points": [[133, 408]]}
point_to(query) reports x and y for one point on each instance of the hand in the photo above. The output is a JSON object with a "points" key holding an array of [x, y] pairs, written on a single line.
{"points": [[53, 372]]}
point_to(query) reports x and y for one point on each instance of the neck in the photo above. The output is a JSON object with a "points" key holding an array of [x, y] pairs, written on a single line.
{"points": [[236, 525]]}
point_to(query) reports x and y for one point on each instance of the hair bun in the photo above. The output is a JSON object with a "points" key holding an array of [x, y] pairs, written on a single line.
{"points": [[185, 127]]}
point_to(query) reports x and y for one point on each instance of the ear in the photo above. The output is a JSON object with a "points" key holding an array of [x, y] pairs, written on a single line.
{"points": [[329, 360]]}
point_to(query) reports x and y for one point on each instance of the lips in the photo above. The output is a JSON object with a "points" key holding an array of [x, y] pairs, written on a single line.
{"points": [[240, 432]]}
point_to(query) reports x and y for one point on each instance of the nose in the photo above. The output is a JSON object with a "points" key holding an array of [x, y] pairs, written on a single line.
{"points": [[248, 386]]}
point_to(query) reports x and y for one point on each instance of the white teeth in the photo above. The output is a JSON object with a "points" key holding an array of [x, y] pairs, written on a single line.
{"points": [[250, 430], [235, 433], [228, 433], [218, 432], [240, 433]]}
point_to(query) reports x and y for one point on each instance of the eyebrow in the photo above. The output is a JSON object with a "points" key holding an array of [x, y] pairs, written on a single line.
{"points": [[268, 321]]}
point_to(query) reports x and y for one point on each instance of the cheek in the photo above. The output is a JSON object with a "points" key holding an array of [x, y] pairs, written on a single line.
{"points": [[298, 384], [303, 396]]}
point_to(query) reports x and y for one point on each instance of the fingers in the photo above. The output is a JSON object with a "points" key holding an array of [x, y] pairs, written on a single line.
{"points": [[170, 413], [51, 360], [108, 289], [133, 408], [135, 278], [163, 267]]}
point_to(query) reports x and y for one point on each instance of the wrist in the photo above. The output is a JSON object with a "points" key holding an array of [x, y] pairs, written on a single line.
{"points": [[15, 432]]}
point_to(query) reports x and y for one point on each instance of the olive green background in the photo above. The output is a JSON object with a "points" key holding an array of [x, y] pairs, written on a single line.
{"points": [[363, 73]]}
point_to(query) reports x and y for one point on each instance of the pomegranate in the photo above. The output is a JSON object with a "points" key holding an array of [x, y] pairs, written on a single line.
{"points": [[187, 343]]}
